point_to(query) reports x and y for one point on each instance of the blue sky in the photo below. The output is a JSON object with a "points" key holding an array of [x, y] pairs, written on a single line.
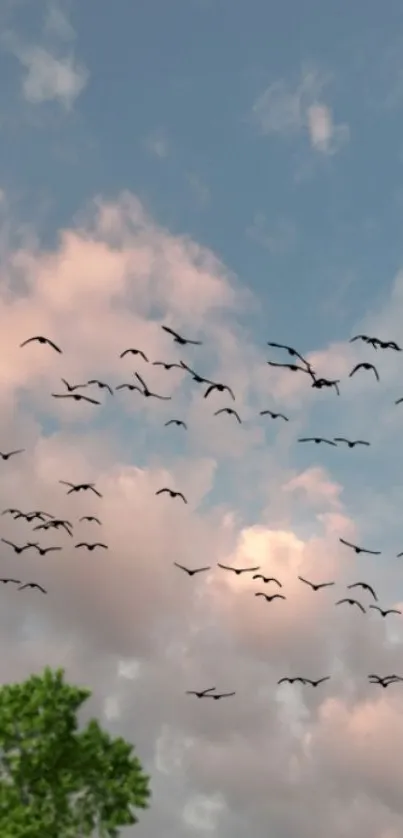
{"points": [[234, 170]]}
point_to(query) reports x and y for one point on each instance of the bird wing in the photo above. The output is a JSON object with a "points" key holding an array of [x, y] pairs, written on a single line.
{"points": [[224, 566], [87, 399], [143, 384], [340, 439], [371, 552], [230, 392], [223, 410], [340, 601], [347, 543], [237, 416], [181, 495], [200, 569], [209, 390], [161, 491], [170, 331], [182, 567], [357, 367], [93, 489], [301, 578], [53, 345]]}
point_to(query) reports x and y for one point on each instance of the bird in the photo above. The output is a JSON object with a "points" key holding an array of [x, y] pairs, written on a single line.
{"points": [[101, 385], [76, 396], [147, 393], [292, 367], [17, 581], [359, 549], [273, 415], [385, 613], [177, 422], [291, 351], [389, 344], [365, 587], [195, 375], [167, 366], [43, 550], [172, 493], [219, 695], [351, 442], [270, 597], [366, 339], [128, 387], [91, 546], [191, 572], [365, 366], [317, 439], [43, 340], [399, 555], [32, 585], [267, 579], [90, 518], [200, 693], [132, 351], [237, 570], [29, 516], [327, 382], [78, 487], [178, 339], [15, 547], [8, 454], [351, 602], [385, 681], [13, 512], [316, 683], [291, 680], [56, 523], [220, 389], [316, 586], [72, 387], [230, 412]]}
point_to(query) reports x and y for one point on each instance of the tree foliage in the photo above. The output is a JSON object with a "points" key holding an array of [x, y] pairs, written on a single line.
{"points": [[56, 780]]}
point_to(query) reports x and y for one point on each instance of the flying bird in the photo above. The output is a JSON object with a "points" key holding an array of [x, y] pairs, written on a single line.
{"points": [[101, 385], [351, 602], [166, 366], [172, 493], [219, 695], [201, 693], [385, 681], [351, 442], [237, 570], [365, 366], [178, 339], [389, 344], [72, 387], [78, 487], [13, 512], [90, 518], [177, 422], [6, 455], [316, 586], [365, 587], [15, 547], [273, 415], [191, 572], [267, 579], [220, 389], [270, 597], [76, 396], [55, 524], [17, 581], [317, 439], [128, 387], [291, 351], [132, 351], [291, 680], [385, 613], [366, 339], [43, 550], [32, 585], [359, 549], [195, 375], [91, 546], [316, 683], [230, 412], [292, 367], [327, 382], [147, 393], [42, 340]]}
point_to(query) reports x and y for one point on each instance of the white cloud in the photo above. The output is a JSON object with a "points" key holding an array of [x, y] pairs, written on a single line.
{"points": [[157, 144], [49, 78]]}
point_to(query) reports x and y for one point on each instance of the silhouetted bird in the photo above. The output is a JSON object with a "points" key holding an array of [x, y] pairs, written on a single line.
{"points": [[201, 693], [147, 393], [384, 682], [43, 550], [327, 382], [273, 415], [270, 597], [191, 572], [128, 387], [291, 680], [8, 454], [101, 385], [291, 351], [176, 422], [42, 340], [316, 586], [91, 546], [76, 396], [292, 367], [316, 683], [372, 341], [220, 389], [365, 366], [72, 387], [15, 547], [32, 585], [78, 487], [317, 439], [219, 695], [195, 375], [230, 412], [351, 602], [16, 581], [132, 351], [11, 512], [171, 493], [55, 524], [178, 339], [267, 579], [365, 587], [359, 549], [91, 518], [351, 442], [167, 366], [237, 570], [389, 344], [385, 613]]}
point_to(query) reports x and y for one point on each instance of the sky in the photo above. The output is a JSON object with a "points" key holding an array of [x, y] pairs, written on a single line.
{"points": [[231, 170]]}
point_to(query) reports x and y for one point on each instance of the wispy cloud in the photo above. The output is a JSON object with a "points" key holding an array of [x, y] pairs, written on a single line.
{"points": [[278, 237], [157, 144]]}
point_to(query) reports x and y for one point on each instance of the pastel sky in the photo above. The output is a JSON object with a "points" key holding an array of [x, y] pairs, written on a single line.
{"points": [[232, 170]]}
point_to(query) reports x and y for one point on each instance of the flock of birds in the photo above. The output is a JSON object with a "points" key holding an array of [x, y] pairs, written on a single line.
{"points": [[48, 521]]}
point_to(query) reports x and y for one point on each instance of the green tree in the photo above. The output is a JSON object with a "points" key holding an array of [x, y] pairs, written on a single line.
{"points": [[57, 781]]}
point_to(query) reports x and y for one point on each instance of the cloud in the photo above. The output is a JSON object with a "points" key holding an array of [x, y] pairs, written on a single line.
{"points": [[157, 145], [277, 238], [282, 110]]}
